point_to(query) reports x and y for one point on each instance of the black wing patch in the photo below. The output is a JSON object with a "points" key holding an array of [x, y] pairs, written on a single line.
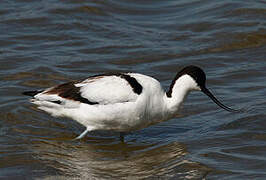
{"points": [[70, 91]]}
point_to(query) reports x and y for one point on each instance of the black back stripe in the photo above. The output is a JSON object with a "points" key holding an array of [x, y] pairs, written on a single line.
{"points": [[136, 86]]}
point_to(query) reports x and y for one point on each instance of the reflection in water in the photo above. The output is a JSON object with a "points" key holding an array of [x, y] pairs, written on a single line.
{"points": [[117, 160]]}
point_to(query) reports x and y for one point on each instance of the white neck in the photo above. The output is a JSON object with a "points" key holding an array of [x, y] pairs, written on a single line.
{"points": [[180, 90]]}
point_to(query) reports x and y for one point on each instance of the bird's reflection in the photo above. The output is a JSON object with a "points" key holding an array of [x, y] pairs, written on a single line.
{"points": [[110, 158]]}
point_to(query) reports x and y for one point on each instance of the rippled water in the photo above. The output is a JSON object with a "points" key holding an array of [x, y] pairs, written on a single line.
{"points": [[43, 43]]}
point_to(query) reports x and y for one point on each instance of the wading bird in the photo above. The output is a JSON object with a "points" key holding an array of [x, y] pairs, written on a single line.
{"points": [[121, 102]]}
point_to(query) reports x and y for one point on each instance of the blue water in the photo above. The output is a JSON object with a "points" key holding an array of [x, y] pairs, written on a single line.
{"points": [[44, 43]]}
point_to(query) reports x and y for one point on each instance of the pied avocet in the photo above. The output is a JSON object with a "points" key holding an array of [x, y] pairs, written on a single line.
{"points": [[121, 102]]}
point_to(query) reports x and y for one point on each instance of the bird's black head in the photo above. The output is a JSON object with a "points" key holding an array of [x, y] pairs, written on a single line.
{"points": [[198, 75], [194, 72]]}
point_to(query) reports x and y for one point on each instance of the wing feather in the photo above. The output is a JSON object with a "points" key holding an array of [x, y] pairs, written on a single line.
{"points": [[108, 89], [101, 89]]}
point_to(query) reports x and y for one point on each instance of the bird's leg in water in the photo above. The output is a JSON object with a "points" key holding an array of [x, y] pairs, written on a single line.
{"points": [[122, 134], [88, 128], [82, 134]]}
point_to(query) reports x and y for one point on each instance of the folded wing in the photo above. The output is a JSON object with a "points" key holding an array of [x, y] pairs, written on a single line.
{"points": [[96, 90]]}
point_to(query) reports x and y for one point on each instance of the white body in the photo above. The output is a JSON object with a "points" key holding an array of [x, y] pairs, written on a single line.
{"points": [[119, 108]]}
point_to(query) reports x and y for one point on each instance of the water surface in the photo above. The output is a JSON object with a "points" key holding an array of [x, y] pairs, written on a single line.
{"points": [[43, 43]]}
